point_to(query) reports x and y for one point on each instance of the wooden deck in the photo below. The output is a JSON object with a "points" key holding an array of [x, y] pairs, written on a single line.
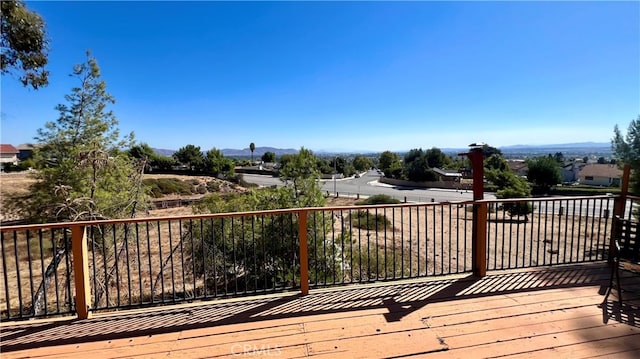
{"points": [[550, 312]]}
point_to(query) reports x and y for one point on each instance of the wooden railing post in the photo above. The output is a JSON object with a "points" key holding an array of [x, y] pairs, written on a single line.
{"points": [[620, 201], [304, 254], [81, 270], [480, 239], [479, 235], [619, 207]]}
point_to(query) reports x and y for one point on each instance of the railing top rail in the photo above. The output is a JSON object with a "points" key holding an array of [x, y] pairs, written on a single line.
{"points": [[548, 199]]}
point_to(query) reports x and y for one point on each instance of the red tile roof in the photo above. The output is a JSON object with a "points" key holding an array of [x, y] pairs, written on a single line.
{"points": [[8, 149]]}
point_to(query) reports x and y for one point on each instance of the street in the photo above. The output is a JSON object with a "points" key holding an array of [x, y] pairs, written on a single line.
{"points": [[368, 185]]}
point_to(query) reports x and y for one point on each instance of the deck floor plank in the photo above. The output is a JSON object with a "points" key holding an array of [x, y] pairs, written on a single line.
{"points": [[535, 313]]}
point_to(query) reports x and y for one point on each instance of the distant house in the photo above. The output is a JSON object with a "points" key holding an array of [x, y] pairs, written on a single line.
{"points": [[519, 167], [600, 175], [447, 175], [25, 151], [570, 171], [8, 154]]}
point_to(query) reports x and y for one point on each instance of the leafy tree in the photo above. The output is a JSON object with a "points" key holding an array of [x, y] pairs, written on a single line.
{"points": [[416, 166], [436, 158], [265, 260], [489, 151], [301, 173], [144, 153], [337, 164], [85, 174], [24, 44], [390, 164], [216, 164], [544, 172], [252, 147], [559, 157], [163, 163], [190, 156], [602, 161], [496, 162], [627, 150], [362, 163], [268, 157], [511, 186]]}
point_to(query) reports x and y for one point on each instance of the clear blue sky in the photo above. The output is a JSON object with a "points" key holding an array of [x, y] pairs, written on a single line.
{"points": [[345, 76]]}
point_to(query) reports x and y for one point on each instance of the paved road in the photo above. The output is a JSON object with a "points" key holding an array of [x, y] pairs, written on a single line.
{"points": [[368, 185]]}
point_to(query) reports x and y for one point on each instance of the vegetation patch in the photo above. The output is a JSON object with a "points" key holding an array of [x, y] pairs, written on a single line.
{"points": [[370, 221], [379, 199], [166, 186]]}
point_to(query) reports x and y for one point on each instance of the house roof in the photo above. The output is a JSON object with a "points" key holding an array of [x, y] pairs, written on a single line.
{"points": [[517, 165], [447, 173], [601, 170], [8, 149], [26, 146]]}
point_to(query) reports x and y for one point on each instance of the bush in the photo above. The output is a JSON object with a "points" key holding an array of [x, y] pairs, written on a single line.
{"points": [[366, 220], [213, 186], [379, 199], [166, 186]]}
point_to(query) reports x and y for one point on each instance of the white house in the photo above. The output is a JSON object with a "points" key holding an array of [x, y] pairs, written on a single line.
{"points": [[8, 154], [600, 175]]}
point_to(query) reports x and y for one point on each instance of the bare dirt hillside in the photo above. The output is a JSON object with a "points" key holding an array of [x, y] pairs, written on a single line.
{"points": [[18, 182]]}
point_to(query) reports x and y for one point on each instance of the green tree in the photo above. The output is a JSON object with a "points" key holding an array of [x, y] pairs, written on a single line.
{"points": [[559, 157], [190, 156], [143, 153], [85, 173], [627, 150], [216, 164], [362, 163], [390, 164], [252, 147], [496, 162], [24, 44], [337, 164], [416, 166], [511, 186], [544, 172], [301, 173], [489, 151], [436, 158], [269, 157]]}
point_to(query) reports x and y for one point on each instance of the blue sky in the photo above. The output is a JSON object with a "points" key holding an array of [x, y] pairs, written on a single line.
{"points": [[342, 76]]}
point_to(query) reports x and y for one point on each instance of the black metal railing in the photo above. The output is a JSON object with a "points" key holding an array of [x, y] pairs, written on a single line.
{"points": [[542, 232], [144, 262], [37, 278]]}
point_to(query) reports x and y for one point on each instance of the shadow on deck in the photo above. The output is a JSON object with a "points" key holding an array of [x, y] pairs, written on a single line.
{"points": [[394, 302]]}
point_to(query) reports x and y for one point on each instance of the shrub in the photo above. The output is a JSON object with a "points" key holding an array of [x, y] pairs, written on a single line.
{"points": [[166, 186], [366, 220], [379, 199], [213, 186]]}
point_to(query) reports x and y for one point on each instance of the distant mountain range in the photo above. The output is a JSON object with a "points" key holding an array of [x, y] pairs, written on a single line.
{"points": [[560, 145], [578, 147], [245, 152]]}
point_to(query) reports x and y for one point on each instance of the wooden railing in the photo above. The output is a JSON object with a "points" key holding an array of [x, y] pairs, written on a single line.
{"points": [[85, 267]]}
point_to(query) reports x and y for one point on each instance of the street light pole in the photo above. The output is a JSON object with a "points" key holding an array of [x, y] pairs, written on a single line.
{"points": [[335, 173]]}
